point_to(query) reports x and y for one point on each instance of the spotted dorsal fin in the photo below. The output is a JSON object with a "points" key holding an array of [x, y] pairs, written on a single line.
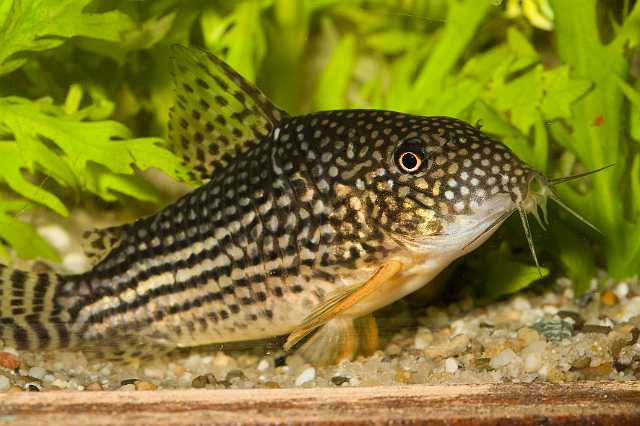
{"points": [[217, 113], [98, 243]]}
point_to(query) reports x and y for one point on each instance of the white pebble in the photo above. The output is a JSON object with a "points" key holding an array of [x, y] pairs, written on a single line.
{"points": [[185, 379], [450, 365], [521, 304], [459, 327], [622, 290], [4, 383], [75, 262], [59, 383], [532, 362], [221, 360], [155, 372], [263, 365], [503, 358], [11, 351], [630, 310], [306, 376], [56, 236], [423, 338], [37, 372], [193, 362]]}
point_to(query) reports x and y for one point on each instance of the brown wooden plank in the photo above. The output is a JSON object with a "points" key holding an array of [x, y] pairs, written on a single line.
{"points": [[522, 404]]}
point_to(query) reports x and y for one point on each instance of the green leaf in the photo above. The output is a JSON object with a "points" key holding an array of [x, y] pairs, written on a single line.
{"points": [[493, 123], [573, 254], [524, 52], [560, 92], [505, 277], [48, 140], [463, 19], [635, 185], [335, 78], [393, 41], [21, 237], [139, 36], [12, 167], [634, 98], [521, 97], [551, 92], [36, 25], [239, 36], [456, 99], [597, 119], [540, 146], [108, 185]]}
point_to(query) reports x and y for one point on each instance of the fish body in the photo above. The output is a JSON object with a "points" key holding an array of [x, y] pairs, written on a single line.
{"points": [[295, 216]]}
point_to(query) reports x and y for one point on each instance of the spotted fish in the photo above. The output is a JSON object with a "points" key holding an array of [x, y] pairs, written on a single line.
{"points": [[303, 226]]}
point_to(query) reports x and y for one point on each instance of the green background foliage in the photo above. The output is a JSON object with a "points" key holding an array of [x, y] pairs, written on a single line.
{"points": [[85, 91]]}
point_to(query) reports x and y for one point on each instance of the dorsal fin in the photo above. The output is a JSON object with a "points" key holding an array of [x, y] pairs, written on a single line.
{"points": [[98, 243], [217, 112]]}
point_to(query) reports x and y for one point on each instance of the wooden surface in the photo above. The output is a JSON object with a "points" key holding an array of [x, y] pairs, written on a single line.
{"points": [[535, 404]]}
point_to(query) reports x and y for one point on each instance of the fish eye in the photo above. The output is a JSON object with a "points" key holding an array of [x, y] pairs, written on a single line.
{"points": [[410, 156]]}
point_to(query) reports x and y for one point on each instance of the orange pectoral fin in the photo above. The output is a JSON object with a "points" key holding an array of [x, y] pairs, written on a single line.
{"points": [[341, 300]]}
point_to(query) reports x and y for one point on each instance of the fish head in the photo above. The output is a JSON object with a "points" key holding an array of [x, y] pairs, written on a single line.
{"points": [[430, 184], [443, 184]]}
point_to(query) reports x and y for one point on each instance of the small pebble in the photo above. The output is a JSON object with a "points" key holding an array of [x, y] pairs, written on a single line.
{"points": [[450, 365], [8, 360], [5, 384], [622, 290], [263, 365], [307, 375], [235, 374], [393, 349], [581, 362], [339, 380], [146, 386], [609, 298], [453, 347], [532, 362], [504, 358], [94, 387], [599, 372], [37, 372], [204, 380], [528, 335]]}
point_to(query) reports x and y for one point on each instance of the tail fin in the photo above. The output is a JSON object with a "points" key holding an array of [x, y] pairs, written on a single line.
{"points": [[30, 317]]}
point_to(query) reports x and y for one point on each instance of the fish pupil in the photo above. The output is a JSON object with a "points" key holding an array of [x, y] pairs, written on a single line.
{"points": [[410, 156], [409, 161]]}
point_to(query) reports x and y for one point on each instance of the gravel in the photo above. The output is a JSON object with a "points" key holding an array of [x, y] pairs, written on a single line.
{"points": [[542, 336]]}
